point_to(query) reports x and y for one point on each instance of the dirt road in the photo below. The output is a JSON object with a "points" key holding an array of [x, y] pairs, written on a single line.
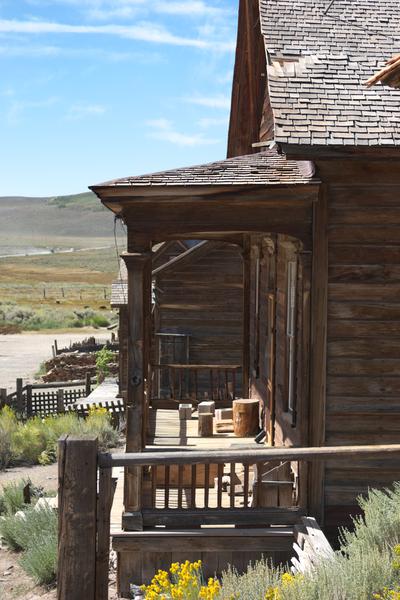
{"points": [[21, 354]]}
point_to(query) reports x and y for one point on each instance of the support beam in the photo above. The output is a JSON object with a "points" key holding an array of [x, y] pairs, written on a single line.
{"points": [[138, 265], [319, 304], [246, 315]]}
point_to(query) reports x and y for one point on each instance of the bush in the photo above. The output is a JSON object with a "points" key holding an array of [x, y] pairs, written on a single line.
{"points": [[366, 567], [35, 441], [103, 359], [12, 498], [35, 534]]}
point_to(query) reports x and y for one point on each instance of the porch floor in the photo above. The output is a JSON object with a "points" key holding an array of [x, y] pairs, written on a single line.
{"points": [[166, 429]]}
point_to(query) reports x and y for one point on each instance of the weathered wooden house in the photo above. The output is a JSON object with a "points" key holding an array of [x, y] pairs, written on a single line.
{"points": [[310, 194]]}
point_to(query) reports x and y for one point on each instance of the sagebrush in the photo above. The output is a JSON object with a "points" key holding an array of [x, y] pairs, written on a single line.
{"points": [[35, 441]]}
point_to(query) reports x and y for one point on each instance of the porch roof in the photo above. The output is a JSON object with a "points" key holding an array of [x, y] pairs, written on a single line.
{"points": [[264, 168]]}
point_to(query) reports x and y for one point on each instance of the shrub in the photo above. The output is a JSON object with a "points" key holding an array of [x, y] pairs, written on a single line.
{"points": [[35, 442], [8, 424], [103, 359], [35, 534], [12, 497], [365, 567]]}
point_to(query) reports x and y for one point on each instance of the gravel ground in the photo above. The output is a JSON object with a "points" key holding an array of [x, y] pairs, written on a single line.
{"points": [[21, 354]]}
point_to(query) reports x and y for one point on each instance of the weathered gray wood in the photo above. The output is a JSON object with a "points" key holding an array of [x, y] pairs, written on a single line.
{"points": [[20, 398], [77, 519], [206, 424], [249, 456], [3, 397], [60, 401], [29, 410]]}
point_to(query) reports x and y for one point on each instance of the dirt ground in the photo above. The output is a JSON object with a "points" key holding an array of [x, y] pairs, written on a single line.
{"points": [[21, 354]]}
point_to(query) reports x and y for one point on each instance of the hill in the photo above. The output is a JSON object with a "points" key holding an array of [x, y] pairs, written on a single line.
{"points": [[30, 224]]}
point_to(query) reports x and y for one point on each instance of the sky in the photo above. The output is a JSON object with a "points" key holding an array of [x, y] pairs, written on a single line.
{"points": [[92, 90]]}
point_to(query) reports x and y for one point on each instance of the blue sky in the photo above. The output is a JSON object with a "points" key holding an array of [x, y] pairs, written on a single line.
{"points": [[91, 90]]}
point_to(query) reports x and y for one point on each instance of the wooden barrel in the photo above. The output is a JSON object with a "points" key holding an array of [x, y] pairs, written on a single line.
{"points": [[245, 417]]}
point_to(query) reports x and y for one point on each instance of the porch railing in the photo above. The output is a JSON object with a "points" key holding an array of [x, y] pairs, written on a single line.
{"points": [[84, 518], [187, 382]]}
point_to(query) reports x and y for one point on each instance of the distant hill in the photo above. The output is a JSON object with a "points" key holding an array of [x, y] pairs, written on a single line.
{"points": [[77, 221]]}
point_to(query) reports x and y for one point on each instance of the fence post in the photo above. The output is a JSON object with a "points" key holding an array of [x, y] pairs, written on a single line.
{"points": [[56, 347], [60, 401], [88, 384], [77, 499], [28, 401], [20, 396], [3, 397]]}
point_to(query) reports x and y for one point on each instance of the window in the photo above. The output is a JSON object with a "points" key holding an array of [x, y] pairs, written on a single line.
{"points": [[291, 332]]}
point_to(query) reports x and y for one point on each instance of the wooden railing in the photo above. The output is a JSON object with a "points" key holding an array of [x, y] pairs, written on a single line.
{"points": [[84, 513], [186, 382]]}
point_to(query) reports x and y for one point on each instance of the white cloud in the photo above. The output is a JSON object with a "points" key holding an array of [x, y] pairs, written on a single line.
{"points": [[19, 107], [191, 8], [47, 51], [163, 130], [221, 101], [81, 111], [206, 123], [147, 32]]}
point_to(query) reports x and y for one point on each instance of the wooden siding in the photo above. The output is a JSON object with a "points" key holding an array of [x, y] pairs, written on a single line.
{"points": [[363, 366], [203, 298]]}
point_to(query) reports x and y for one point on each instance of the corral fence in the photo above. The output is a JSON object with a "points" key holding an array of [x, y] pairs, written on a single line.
{"points": [[91, 344], [44, 399], [84, 511]]}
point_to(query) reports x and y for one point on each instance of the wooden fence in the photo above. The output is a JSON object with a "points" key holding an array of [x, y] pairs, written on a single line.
{"points": [[43, 399], [91, 344], [86, 495]]}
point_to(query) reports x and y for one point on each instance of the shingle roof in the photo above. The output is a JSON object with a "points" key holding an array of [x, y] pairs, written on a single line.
{"points": [[320, 52], [265, 168], [119, 293]]}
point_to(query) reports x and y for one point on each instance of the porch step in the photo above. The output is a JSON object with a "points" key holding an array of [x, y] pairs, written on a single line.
{"points": [[142, 553]]}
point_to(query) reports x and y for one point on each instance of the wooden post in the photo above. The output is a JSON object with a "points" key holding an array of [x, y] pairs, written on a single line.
{"points": [[319, 304], [77, 498], [245, 417], [139, 310], [60, 401], [206, 422], [3, 397], [29, 411], [88, 384], [56, 347], [246, 317], [20, 396]]}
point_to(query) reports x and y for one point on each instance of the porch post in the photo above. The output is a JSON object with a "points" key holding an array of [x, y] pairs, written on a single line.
{"points": [[246, 254], [139, 306]]}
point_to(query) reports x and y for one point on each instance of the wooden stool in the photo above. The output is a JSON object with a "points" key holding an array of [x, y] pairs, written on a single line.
{"points": [[245, 417]]}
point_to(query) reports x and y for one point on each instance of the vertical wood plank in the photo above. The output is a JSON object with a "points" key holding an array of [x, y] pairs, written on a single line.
{"points": [[206, 485], [29, 411], [166, 491], [193, 488], [77, 519], [103, 533], [219, 485], [232, 487], [20, 398], [246, 316], [319, 303], [180, 485], [246, 485], [154, 486]]}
